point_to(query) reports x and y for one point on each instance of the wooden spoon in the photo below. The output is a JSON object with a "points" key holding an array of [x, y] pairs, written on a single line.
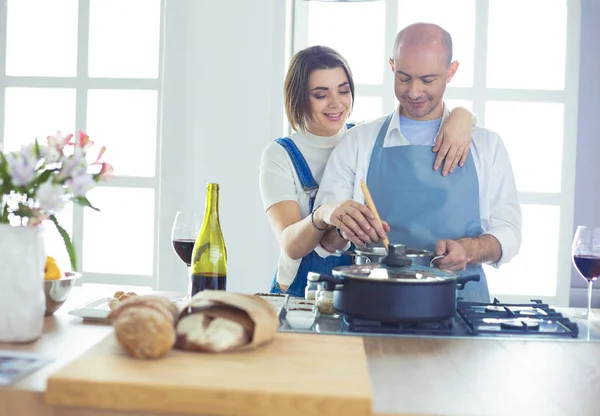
{"points": [[371, 205]]}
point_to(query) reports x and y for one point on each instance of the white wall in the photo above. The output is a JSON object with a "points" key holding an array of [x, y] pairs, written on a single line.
{"points": [[223, 82]]}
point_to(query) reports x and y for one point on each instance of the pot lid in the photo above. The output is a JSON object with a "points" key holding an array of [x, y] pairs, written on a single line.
{"points": [[381, 251], [410, 274]]}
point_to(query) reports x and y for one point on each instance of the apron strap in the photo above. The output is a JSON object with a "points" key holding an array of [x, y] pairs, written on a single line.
{"points": [[308, 182], [383, 131]]}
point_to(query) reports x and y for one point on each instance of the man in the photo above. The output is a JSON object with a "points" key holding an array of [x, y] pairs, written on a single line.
{"points": [[472, 216]]}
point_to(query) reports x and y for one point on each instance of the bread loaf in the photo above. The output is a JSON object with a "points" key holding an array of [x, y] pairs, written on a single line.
{"points": [[200, 332], [145, 326], [118, 298], [215, 329], [161, 304]]}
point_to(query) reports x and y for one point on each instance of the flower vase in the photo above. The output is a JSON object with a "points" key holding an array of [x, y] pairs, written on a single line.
{"points": [[22, 301]]}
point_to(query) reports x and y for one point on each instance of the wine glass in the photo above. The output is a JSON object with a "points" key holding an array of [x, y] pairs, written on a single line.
{"points": [[186, 227], [586, 259]]}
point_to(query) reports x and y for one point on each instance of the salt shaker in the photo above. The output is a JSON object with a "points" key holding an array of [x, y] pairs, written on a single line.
{"points": [[310, 291], [325, 301]]}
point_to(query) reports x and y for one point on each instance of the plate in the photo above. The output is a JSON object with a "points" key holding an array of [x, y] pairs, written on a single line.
{"points": [[98, 310]]}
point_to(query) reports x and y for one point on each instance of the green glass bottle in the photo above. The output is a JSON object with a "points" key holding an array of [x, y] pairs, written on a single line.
{"points": [[209, 258]]}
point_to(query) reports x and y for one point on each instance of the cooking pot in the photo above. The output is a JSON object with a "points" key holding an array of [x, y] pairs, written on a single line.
{"points": [[388, 294], [367, 255]]}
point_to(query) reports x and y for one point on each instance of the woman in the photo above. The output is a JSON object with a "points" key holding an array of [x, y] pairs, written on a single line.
{"points": [[319, 96]]}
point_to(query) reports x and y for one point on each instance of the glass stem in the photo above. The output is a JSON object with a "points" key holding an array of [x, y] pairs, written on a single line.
{"points": [[189, 280], [589, 308]]}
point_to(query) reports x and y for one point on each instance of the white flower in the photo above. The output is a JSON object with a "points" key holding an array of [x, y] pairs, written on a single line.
{"points": [[50, 154], [21, 166], [80, 183], [74, 163], [51, 197]]}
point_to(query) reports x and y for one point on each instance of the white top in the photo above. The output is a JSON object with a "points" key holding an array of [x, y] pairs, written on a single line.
{"points": [[499, 206], [279, 182]]}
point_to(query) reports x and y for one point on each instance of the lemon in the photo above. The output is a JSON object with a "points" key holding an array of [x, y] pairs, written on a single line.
{"points": [[51, 270]]}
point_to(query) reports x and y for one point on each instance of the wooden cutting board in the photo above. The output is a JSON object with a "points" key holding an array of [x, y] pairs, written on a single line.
{"points": [[295, 374]]}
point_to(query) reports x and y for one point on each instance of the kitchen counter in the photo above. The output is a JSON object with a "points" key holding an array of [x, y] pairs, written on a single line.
{"points": [[409, 376]]}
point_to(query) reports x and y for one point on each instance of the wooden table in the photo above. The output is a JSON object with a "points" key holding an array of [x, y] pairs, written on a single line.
{"points": [[409, 376]]}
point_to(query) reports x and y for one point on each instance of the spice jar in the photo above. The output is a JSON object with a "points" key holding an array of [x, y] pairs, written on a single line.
{"points": [[325, 302], [310, 291]]}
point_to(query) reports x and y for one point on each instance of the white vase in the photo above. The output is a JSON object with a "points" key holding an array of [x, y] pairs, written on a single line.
{"points": [[22, 301]]}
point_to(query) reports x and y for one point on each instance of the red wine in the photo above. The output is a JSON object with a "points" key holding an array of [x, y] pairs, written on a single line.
{"points": [[209, 281], [588, 266], [183, 247]]}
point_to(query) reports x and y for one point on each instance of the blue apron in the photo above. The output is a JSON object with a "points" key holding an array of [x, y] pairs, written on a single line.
{"points": [[312, 262], [422, 206]]}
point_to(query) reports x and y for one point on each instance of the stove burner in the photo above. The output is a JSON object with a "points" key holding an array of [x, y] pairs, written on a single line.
{"points": [[495, 308], [535, 319], [513, 319], [530, 312], [522, 324]]}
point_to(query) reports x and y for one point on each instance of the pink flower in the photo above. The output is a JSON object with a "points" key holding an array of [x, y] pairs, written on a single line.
{"points": [[100, 153], [59, 141], [83, 142], [36, 217], [106, 172]]}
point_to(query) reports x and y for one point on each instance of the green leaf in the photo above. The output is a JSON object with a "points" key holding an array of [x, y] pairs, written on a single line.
{"points": [[36, 148], [43, 177], [4, 169], [68, 244], [23, 211], [82, 200]]}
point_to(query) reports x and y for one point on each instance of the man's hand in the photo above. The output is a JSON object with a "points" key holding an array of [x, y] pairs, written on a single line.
{"points": [[454, 140], [456, 255], [483, 249]]}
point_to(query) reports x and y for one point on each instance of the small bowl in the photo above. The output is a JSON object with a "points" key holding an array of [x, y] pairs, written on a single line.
{"points": [[57, 291], [300, 318]]}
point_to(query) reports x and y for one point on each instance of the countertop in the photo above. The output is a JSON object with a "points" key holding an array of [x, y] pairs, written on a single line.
{"points": [[409, 376]]}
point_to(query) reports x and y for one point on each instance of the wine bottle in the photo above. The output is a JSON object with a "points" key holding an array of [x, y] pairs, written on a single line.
{"points": [[209, 257]]}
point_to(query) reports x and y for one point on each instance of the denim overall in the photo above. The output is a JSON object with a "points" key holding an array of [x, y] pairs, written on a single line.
{"points": [[312, 262], [422, 206]]}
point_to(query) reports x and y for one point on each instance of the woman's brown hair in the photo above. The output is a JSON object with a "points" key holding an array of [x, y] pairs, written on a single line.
{"points": [[303, 63]]}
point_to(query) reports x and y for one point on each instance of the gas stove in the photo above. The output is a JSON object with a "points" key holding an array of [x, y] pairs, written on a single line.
{"points": [[535, 319]]}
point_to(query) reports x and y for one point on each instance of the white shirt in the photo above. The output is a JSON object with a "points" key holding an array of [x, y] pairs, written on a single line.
{"points": [[279, 182], [499, 206]]}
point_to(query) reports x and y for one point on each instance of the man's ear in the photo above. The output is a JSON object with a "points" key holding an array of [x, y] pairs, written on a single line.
{"points": [[391, 61], [451, 71]]}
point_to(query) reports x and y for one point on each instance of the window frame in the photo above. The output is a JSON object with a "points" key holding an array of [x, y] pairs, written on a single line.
{"points": [[82, 83]]}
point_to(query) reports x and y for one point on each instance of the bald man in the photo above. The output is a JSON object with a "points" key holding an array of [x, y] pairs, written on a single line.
{"points": [[472, 216]]}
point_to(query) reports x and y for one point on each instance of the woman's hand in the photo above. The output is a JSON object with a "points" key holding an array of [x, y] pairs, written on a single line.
{"points": [[356, 221], [454, 140]]}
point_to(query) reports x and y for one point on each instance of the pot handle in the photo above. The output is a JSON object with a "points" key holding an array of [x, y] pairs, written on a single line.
{"points": [[436, 258], [330, 281], [463, 280]]}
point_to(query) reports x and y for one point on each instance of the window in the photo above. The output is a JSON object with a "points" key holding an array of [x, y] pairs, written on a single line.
{"points": [[74, 65], [513, 72]]}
